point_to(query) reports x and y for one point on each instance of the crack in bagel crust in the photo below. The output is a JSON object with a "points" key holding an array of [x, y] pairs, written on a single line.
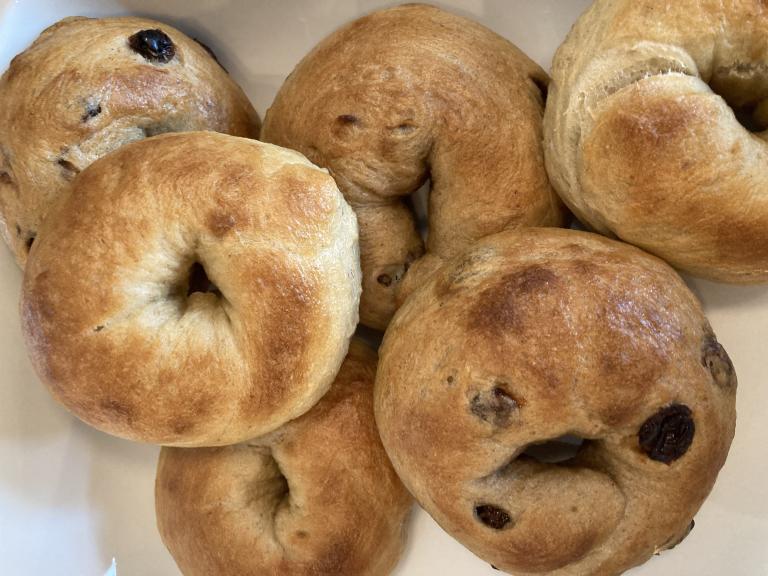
{"points": [[656, 126], [61, 109], [453, 104], [318, 496], [534, 335], [188, 302]]}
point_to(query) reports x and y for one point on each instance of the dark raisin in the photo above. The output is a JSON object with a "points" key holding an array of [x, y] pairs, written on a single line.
{"points": [[667, 435], [5, 178], [347, 119], [154, 45], [384, 280], [30, 240], [716, 360], [495, 406], [210, 51], [492, 516], [91, 111], [18, 230], [98, 328]]}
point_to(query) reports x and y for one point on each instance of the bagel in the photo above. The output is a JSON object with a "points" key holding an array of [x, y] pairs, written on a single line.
{"points": [[88, 86], [643, 137], [193, 289], [409, 94], [538, 334], [318, 497]]}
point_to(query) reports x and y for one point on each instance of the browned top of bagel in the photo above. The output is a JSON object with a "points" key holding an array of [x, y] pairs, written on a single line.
{"points": [[533, 335], [81, 90], [408, 94], [316, 498], [122, 324], [642, 131]]}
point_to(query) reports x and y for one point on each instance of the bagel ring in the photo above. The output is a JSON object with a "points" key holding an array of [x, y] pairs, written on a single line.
{"points": [[415, 93], [538, 334], [193, 289], [643, 137], [87, 86], [318, 497]]}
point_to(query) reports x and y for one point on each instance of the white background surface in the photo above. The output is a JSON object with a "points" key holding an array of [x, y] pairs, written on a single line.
{"points": [[72, 498]]}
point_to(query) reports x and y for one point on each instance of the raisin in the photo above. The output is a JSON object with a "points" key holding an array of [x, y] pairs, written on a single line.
{"points": [[91, 111], [667, 435], [5, 178], [716, 360], [30, 240], [492, 516], [384, 280], [495, 406], [154, 45], [347, 119]]}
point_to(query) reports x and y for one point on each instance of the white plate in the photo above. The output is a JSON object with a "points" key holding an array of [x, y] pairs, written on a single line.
{"points": [[71, 498]]}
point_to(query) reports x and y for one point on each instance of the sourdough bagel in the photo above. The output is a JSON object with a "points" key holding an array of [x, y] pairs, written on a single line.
{"points": [[193, 289], [88, 86], [537, 334], [641, 132], [408, 94], [318, 497]]}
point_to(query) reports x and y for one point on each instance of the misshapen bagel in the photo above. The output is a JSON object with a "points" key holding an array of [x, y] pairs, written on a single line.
{"points": [[537, 334], [193, 289], [408, 94], [87, 86], [318, 497], [641, 137]]}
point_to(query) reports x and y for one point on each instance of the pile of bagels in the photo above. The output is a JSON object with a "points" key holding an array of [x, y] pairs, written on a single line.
{"points": [[195, 279]]}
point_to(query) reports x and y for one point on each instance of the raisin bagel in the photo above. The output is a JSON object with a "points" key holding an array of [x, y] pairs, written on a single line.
{"points": [[535, 335], [193, 289], [643, 136], [88, 86], [410, 94], [318, 497]]}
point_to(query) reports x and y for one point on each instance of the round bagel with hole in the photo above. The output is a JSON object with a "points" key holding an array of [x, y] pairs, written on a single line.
{"points": [[655, 130], [87, 86], [415, 94], [193, 289], [536, 335], [318, 497]]}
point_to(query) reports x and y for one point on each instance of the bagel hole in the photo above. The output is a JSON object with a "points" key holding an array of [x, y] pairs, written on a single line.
{"points": [[744, 87], [557, 451], [418, 203], [200, 282]]}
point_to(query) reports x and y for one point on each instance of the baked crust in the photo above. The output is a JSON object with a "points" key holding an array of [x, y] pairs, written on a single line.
{"points": [[536, 334], [408, 94], [120, 337], [80, 91], [641, 138], [317, 497]]}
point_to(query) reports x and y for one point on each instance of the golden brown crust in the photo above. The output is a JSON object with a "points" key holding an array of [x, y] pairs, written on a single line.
{"points": [[318, 497], [537, 334], [80, 91], [108, 319], [413, 93], [640, 133]]}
